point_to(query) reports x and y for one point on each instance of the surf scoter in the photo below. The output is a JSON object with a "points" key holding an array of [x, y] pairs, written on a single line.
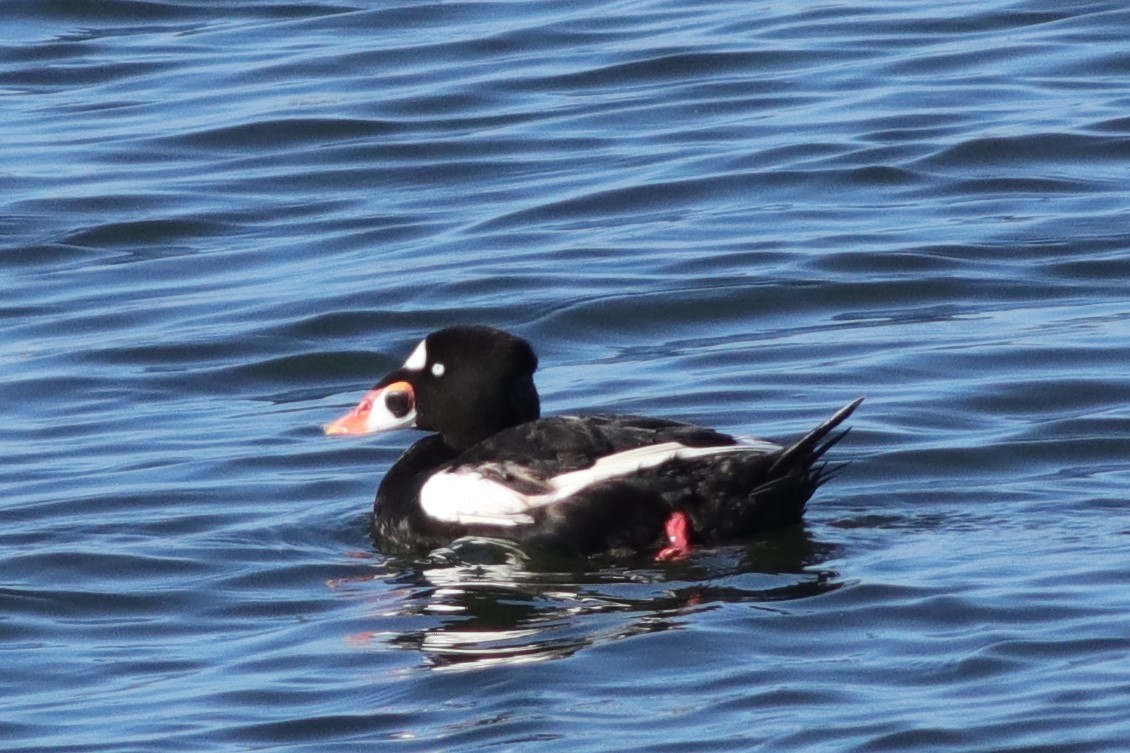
{"points": [[581, 484]]}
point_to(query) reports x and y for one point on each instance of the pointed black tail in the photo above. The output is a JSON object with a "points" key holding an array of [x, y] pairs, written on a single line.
{"points": [[812, 446]]}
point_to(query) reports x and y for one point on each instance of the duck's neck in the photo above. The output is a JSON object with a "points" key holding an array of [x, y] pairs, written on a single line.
{"points": [[518, 404]]}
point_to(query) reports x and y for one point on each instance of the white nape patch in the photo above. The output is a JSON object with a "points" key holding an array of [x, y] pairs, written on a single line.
{"points": [[463, 495], [419, 358], [438, 369]]}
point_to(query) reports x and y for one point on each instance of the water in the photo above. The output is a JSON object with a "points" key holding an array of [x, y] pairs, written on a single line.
{"points": [[220, 224]]}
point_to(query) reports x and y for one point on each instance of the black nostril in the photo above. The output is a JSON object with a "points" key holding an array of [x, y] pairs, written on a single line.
{"points": [[399, 403]]}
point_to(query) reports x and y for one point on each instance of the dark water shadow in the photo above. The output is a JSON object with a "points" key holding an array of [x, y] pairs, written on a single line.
{"points": [[485, 602]]}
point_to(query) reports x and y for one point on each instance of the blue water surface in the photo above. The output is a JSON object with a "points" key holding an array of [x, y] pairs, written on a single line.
{"points": [[220, 223]]}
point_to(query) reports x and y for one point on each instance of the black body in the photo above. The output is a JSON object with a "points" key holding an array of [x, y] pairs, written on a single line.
{"points": [[485, 410]]}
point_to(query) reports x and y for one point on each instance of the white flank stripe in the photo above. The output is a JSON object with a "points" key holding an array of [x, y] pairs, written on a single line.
{"points": [[463, 495]]}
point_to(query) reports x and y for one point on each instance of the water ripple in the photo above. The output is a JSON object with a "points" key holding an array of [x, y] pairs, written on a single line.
{"points": [[220, 226]]}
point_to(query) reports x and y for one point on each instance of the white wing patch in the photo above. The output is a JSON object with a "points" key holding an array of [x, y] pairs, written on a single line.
{"points": [[464, 495], [757, 444]]}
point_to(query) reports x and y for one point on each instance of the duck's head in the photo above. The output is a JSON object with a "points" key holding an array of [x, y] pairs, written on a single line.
{"points": [[465, 383]]}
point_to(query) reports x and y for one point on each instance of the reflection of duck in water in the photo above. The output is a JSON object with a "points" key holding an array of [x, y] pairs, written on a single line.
{"points": [[481, 602], [585, 485]]}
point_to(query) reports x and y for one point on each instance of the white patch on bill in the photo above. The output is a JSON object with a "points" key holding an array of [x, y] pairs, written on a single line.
{"points": [[464, 495], [419, 358], [382, 419]]}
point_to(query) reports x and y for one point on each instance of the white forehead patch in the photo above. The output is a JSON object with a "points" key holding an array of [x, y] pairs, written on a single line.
{"points": [[438, 369], [419, 358]]}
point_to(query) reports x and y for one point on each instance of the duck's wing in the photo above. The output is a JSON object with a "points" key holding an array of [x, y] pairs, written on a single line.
{"points": [[506, 493]]}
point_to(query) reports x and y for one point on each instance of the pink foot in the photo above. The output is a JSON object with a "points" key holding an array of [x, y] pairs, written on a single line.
{"points": [[678, 530]]}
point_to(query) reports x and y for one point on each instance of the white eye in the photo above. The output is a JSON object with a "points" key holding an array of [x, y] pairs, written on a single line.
{"points": [[438, 369], [418, 359]]}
